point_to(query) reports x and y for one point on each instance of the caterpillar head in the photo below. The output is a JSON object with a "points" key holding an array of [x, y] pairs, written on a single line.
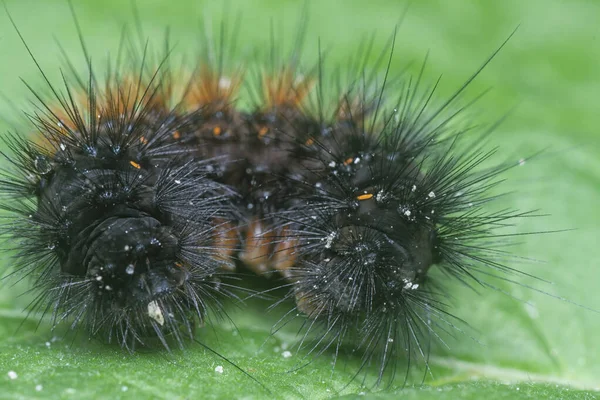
{"points": [[370, 243], [131, 260], [127, 248]]}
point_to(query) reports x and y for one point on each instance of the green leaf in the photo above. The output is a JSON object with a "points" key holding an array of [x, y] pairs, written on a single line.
{"points": [[545, 348]]}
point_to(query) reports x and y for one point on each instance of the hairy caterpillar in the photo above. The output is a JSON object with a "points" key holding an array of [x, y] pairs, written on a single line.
{"points": [[300, 214]]}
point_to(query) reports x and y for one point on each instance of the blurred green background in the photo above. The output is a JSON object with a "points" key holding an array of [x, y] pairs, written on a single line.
{"points": [[549, 73]]}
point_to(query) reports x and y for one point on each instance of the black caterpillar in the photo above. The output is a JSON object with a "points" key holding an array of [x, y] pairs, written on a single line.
{"points": [[131, 208]]}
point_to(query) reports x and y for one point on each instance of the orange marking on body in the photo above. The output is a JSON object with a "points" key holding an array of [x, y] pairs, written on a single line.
{"points": [[217, 131], [176, 135], [143, 140], [286, 89], [348, 161], [225, 241], [213, 91], [263, 131], [135, 165], [284, 254], [310, 142], [178, 264], [365, 196], [257, 248]]}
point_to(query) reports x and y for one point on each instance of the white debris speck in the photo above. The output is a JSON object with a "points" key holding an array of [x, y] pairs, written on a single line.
{"points": [[219, 369], [356, 160], [224, 82], [126, 248], [12, 375], [129, 270], [521, 162], [390, 340], [38, 388], [332, 164], [414, 188], [155, 313], [286, 354], [99, 278], [124, 388], [177, 181], [406, 212], [48, 344], [431, 195], [63, 147]]}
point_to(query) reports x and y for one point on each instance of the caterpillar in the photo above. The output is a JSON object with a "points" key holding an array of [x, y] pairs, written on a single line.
{"points": [[311, 178]]}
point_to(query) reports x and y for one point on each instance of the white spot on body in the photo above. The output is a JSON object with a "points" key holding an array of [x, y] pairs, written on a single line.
{"points": [[155, 313], [408, 285], [286, 354], [130, 269], [380, 196], [329, 239], [431, 195], [219, 369]]}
